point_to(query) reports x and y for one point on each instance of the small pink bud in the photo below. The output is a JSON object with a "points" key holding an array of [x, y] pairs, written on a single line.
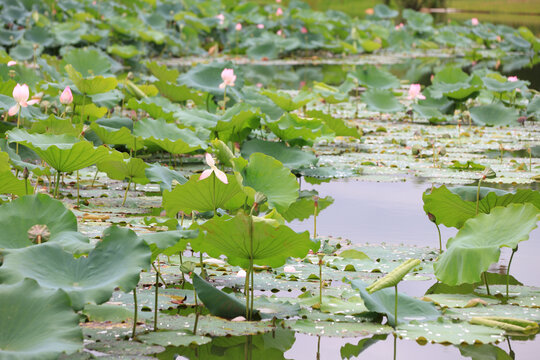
{"points": [[221, 18], [260, 26], [279, 32], [238, 27], [12, 63], [66, 97], [475, 22], [303, 30], [512, 78], [279, 12]]}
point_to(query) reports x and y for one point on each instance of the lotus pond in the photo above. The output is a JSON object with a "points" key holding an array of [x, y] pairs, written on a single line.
{"points": [[229, 180]]}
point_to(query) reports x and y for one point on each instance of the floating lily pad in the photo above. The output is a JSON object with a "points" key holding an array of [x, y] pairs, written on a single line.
{"points": [[334, 329]]}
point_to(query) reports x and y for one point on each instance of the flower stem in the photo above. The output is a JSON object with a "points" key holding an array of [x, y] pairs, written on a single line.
{"points": [[320, 282], [57, 184], [508, 272], [18, 125], [395, 306], [246, 293], [78, 189], [156, 297], [478, 195], [134, 313], [196, 312], [125, 194], [486, 282], [440, 241]]}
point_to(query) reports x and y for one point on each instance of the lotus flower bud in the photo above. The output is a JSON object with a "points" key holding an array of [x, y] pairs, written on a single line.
{"points": [[431, 217], [25, 173], [488, 173], [66, 97]]}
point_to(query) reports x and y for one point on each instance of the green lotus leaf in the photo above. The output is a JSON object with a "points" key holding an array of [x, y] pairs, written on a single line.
{"points": [[92, 85], [291, 157], [238, 117], [162, 72], [287, 102], [57, 126], [169, 242], [168, 136], [267, 175], [207, 78], [37, 323], [88, 62], [273, 244], [534, 106], [164, 176], [373, 77], [349, 351], [262, 102], [457, 300], [334, 95], [494, 115], [217, 302], [381, 101], [338, 126], [115, 262], [200, 195], [116, 131], [124, 51], [383, 302], [196, 118], [384, 12], [502, 86], [18, 216], [370, 45], [477, 244], [445, 331], [23, 51], [174, 338], [62, 152], [484, 352], [180, 93], [336, 329], [304, 206], [418, 21], [157, 107], [393, 277], [9, 184], [107, 312], [453, 207], [432, 114], [296, 130], [19, 164], [133, 169], [263, 49]]}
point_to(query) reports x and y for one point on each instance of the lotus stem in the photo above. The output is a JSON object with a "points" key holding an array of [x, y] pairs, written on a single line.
{"points": [[478, 195], [486, 282], [320, 282], [318, 347], [250, 273], [508, 272], [125, 194], [18, 125], [181, 263], [82, 108], [196, 312], [78, 188], [224, 98], [395, 307], [315, 211], [440, 241], [95, 177], [156, 297], [26, 186], [134, 313], [203, 270], [57, 184], [252, 281], [395, 346]]}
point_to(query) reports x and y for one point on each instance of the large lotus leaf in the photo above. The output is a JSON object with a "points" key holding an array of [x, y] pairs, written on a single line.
{"points": [[164, 176], [9, 184], [418, 21], [116, 131], [159, 242], [432, 114], [162, 72], [133, 169], [263, 49], [36, 323], [445, 331], [92, 85], [115, 262], [381, 101], [384, 12], [200, 195], [296, 130], [273, 244], [484, 352], [238, 117], [174, 338], [267, 175], [207, 77], [338, 126], [334, 95], [266, 105], [180, 93], [477, 244], [197, 118], [88, 62], [217, 302], [502, 86], [373, 77], [291, 157], [337, 329], [287, 102], [62, 152], [383, 302], [494, 114], [57, 126], [18, 216], [304, 206], [19, 164], [168, 136], [157, 107], [452, 207]]}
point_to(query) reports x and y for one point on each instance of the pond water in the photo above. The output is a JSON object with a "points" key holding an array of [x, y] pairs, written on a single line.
{"points": [[392, 213]]}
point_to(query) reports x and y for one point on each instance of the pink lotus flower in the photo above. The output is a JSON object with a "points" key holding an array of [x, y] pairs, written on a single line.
{"points": [[221, 18], [228, 77], [289, 269], [259, 85], [279, 32], [475, 22], [238, 27], [260, 26], [21, 94], [303, 30], [279, 12], [213, 169], [241, 273], [512, 78], [370, 11], [278, 1], [414, 92], [400, 26], [12, 63], [66, 97]]}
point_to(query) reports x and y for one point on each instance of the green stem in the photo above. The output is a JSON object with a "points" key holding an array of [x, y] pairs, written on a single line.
{"points": [[125, 194], [251, 260], [252, 280], [57, 184], [486, 282], [203, 270], [320, 282], [78, 189], [196, 312], [508, 272], [134, 313], [315, 223], [246, 293], [224, 98], [156, 297], [181, 263], [395, 346], [26, 186], [440, 241], [478, 195], [82, 108], [95, 177], [18, 125], [395, 306]]}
